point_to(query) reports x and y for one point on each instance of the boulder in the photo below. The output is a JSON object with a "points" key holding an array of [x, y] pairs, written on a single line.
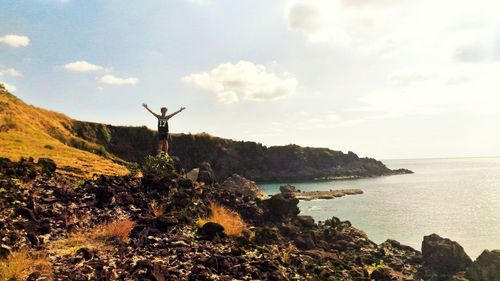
{"points": [[239, 184], [206, 174], [383, 273], [212, 229], [306, 221], [485, 267], [85, 253], [193, 174], [281, 206], [48, 165], [287, 188], [5, 163], [443, 255]]}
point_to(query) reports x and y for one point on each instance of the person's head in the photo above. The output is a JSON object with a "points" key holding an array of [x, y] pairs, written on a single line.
{"points": [[163, 110]]}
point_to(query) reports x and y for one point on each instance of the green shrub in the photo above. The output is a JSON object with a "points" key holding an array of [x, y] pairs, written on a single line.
{"points": [[160, 166], [48, 146]]}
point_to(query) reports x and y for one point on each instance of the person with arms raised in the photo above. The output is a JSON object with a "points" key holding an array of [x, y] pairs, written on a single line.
{"points": [[163, 126]]}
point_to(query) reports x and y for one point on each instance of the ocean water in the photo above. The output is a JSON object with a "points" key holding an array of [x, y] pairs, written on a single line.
{"points": [[456, 198]]}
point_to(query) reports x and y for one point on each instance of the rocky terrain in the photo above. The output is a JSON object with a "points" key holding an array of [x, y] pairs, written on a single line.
{"points": [[53, 215], [315, 195]]}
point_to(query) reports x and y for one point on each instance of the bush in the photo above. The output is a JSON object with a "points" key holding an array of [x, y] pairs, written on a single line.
{"points": [[158, 166], [231, 221], [48, 146]]}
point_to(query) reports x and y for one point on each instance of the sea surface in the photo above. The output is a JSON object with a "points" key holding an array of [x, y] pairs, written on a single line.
{"points": [[456, 198]]}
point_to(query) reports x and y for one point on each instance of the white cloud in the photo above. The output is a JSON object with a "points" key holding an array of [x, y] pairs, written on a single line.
{"points": [[227, 97], [367, 3], [468, 88], [9, 87], [11, 72], [471, 53], [82, 66], [388, 26], [15, 40], [320, 21], [250, 81], [407, 77], [113, 80], [305, 18]]}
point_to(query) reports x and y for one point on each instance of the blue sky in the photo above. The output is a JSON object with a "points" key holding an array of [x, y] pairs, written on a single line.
{"points": [[383, 78]]}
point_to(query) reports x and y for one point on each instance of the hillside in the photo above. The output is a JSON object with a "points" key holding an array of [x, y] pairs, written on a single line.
{"points": [[85, 148], [28, 131], [249, 159]]}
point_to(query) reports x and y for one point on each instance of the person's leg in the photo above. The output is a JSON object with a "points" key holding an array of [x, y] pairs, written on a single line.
{"points": [[166, 147], [160, 146]]}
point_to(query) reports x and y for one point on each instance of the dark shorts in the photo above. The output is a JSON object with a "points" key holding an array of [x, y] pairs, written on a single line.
{"points": [[162, 135]]}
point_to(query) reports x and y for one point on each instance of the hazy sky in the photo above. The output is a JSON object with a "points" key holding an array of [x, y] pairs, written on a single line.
{"points": [[383, 78]]}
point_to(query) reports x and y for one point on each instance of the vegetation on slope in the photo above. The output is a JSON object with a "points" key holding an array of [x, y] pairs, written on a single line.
{"points": [[249, 159], [28, 131]]}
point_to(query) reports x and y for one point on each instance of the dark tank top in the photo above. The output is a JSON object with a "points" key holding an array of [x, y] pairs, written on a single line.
{"points": [[162, 124]]}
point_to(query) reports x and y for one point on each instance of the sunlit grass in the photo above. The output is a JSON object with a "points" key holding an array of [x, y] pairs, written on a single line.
{"points": [[18, 265], [117, 229], [75, 241], [94, 239], [231, 221], [27, 131]]}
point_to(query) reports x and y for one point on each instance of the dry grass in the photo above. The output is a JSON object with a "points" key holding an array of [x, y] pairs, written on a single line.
{"points": [[231, 221], [28, 131], [287, 252], [20, 264], [117, 229], [157, 209], [93, 240], [75, 241]]}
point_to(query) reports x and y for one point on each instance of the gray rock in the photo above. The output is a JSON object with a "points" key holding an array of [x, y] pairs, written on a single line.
{"points": [[239, 184], [193, 174]]}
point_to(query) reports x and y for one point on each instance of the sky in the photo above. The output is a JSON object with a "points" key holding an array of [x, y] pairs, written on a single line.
{"points": [[383, 78]]}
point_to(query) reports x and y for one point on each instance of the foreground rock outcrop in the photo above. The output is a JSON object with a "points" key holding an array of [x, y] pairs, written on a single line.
{"points": [[42, 211], [444, 256], [486, 266]]}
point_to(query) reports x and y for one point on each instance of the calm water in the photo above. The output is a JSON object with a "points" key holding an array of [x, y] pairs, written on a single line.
{"points": [[455, 198]]}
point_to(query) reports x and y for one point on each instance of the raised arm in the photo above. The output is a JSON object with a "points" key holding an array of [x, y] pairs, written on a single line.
{"points": [[173, 114], [146, 107]]}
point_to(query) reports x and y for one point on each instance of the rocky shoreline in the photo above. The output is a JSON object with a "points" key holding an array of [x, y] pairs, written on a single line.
{"points": [[315, 195], [39, 209]]}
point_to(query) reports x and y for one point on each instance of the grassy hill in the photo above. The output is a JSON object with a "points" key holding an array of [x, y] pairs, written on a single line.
{"points": [[28, 131]]}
